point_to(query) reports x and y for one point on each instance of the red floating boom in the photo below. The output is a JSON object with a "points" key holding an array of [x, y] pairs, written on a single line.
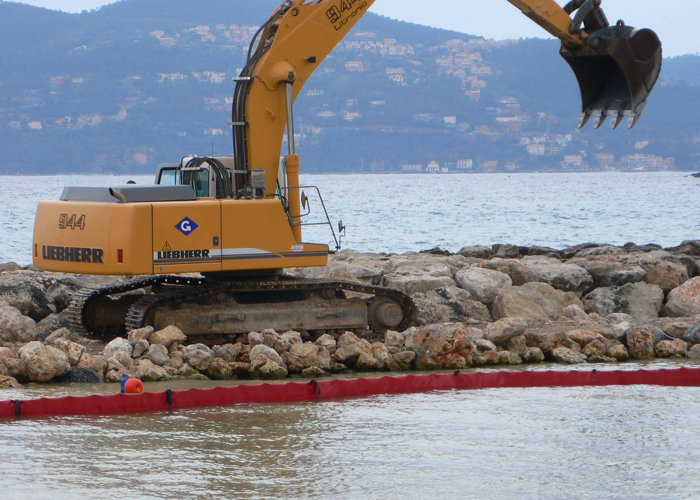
{"points": [[336, 389]]}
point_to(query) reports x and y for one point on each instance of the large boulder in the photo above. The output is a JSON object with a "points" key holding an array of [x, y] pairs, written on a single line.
{"points": [[532, 302], [228, 352], [301, 356], [663, 269], [198, 356], [639, 300], [565, 277], [118, 344], [167, 336], [483, 284], [353, 351], [14, 326], [41, 363], [446, 346], [449, 305], [50, 324], [685, 299], [74, 350], [7, 382], [418, 277], [675, 348], [608, 273], [477, 251], [266, 351], [569, 356], [150, 372], [266, 363], [93, 362], [503, 330], [157, 354], [10, 360], [640, 344], [518, 272]]}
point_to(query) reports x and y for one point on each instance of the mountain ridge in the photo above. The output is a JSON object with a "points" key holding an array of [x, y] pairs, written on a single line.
{"points": [[132, 84]]}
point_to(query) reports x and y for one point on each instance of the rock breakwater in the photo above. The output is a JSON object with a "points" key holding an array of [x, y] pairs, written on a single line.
{"points": [[482, 306]]}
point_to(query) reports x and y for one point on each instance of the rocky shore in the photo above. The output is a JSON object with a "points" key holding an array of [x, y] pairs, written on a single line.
{"points": [[500, 305]]}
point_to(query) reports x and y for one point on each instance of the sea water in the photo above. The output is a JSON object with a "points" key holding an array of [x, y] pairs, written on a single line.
{"points": [[400, 213]]}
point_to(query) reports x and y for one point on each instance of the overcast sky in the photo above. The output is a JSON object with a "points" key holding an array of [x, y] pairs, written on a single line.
{"points": [[675, 21]]}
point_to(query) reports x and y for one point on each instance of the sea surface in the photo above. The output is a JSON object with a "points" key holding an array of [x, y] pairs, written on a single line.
{"points": [[588, 442], [399, 213], [591, 442]]}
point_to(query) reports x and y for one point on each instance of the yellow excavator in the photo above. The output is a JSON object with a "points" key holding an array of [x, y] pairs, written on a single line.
{"points": [[205, 246]]}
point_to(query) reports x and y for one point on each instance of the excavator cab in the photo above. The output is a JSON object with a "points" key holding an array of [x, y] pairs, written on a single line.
{"points": [[616, 68]]}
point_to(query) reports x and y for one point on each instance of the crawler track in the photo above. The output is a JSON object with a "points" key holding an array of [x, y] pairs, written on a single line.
{"points": [[166, 291]]}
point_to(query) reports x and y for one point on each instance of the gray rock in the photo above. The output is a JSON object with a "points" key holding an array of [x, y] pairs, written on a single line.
{"points": [[83, 376], [533, 355], [518, 272], [268, 352], [419, 277], [483, 284], [140, 348], [149, 372], [62, 333], [692, 335], [139, 334], [506, 251], [255, 338], [694, 352], [485, 345], [569, 356], [449, 305], [501, 331], [158, 354], [480, 252], [607, 273], [228, 352], [640, 300], [565, 277], [533, 302], [14, 326], [50, 324], [329, 342], [118, 344], [198, 356]]}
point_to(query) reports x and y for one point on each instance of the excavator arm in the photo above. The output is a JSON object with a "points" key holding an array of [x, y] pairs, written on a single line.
{"points": [[616, 66]]}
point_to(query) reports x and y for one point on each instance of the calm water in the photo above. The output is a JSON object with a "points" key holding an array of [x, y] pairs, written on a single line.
{"points": [[398, 213], [614, 442]]}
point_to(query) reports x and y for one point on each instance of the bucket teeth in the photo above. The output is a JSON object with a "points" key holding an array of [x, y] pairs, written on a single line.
{"points": [[583, 119], [616, 117], [598, 118]]}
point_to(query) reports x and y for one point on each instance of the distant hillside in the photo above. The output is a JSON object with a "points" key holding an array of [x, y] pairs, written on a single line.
{"points": [[137, 83]]}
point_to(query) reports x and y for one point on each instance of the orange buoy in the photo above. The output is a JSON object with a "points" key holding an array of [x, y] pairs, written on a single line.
{"points": [[133, 386]]}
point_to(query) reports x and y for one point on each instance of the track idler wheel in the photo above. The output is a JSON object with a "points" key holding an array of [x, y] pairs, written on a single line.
{"points": [[384, 313]]}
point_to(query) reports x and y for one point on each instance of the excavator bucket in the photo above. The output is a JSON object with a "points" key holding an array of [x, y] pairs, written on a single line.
{"points": [[616, 70]]}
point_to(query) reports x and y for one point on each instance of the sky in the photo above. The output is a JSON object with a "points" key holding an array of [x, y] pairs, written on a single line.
{"points": [[675, 21]]}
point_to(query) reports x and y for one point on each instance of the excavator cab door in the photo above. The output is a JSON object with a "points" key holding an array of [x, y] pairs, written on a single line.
{"points": [[616, 71]]}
